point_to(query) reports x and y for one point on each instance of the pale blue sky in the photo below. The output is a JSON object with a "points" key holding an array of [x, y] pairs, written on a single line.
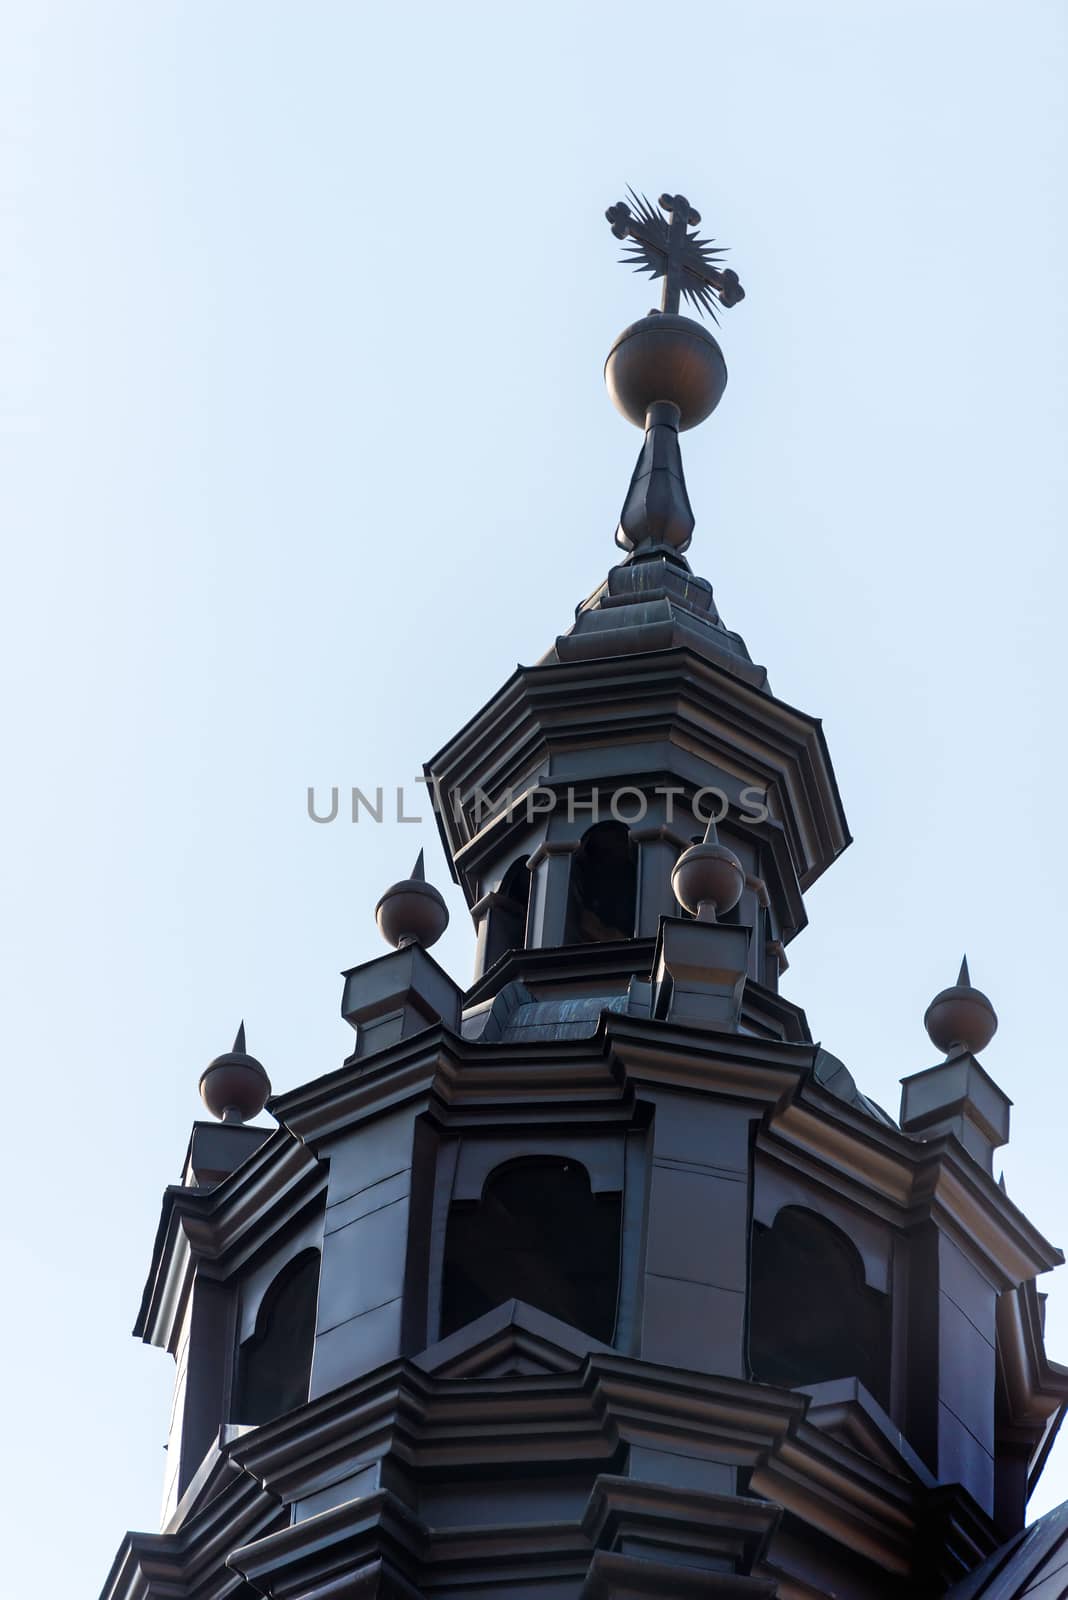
{"points": [[303, 310]]}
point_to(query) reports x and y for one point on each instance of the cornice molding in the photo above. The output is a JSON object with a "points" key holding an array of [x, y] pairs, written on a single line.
{"points": [[738, 1066], [907, 1181], [1034, 1388], [843, 1410], [622, 1577], [717, 1528], [190, 1564], [956, 1192], [675, 693], [462, 1082], [214, 1230], [881, 1510], [585, 1414], [342, 1547]]}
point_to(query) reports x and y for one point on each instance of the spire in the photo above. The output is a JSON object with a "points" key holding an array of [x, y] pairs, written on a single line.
{"points": [[666, 373], [963, 980]]}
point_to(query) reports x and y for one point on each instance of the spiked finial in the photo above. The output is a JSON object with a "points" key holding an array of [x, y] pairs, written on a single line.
{"points": [[961, 1019], [666, 373], [708, 879], [412, 911], [235, 1086]]}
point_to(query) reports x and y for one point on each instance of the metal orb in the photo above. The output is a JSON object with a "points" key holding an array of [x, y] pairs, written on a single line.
{"points": [[959, 1019], [234, 1087], [412, 912], [708, 875], [666, 357]]}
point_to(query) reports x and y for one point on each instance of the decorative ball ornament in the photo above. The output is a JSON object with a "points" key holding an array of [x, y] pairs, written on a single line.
{"points": [[666, 358], [708, 879], [235, 1086], [412, 911], [961, 1019]]}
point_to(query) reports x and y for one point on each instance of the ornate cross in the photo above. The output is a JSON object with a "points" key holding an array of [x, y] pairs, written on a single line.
{"points": [[664, 249]]}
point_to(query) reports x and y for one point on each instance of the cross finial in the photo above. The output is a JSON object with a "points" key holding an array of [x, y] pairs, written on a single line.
{"points": [[661, 246]]}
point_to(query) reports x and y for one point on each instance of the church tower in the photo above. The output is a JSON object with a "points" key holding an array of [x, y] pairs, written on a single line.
{"points": [[600, 1279]]}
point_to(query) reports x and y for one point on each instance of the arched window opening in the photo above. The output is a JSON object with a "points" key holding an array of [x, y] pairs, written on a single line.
{"points": [[274, 1362], [603, 889], [812, 1316], [508, 919], [538, 1234]]}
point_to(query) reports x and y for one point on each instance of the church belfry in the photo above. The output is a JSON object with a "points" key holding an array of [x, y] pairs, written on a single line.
{"points": [[599, 1279]]}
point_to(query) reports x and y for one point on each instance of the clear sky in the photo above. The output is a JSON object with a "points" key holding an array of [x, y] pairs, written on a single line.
{"points": [[303, 309]]}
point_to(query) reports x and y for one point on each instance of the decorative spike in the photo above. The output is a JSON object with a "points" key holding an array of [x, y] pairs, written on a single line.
{"points": [[234, 1086], [412, 911], [708, 879], [961, 1019]]}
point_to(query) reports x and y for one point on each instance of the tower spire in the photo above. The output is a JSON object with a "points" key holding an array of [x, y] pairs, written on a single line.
{"points": [[666, 373]]}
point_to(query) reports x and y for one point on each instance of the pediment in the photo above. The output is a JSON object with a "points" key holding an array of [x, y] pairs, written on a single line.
{"points": [[843, 1410], [514, 1339]]}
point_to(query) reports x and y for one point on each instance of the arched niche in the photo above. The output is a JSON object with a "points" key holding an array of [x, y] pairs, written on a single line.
{"points": [[812, 1315], [603, 886], [537, 1233], [508, 917], [274, 1362]]}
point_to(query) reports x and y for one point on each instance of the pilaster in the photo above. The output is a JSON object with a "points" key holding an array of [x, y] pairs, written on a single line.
{"points": [[658, 849], [550, 868], [372, 1287], [952, 1363], [697, 1234]]}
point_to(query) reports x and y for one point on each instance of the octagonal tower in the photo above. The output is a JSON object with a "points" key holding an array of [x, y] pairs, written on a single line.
{"points": [[599, 1277]]}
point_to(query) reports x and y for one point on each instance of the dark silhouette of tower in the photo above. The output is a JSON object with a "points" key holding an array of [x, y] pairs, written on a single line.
{"points": [[600, 1278]]}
